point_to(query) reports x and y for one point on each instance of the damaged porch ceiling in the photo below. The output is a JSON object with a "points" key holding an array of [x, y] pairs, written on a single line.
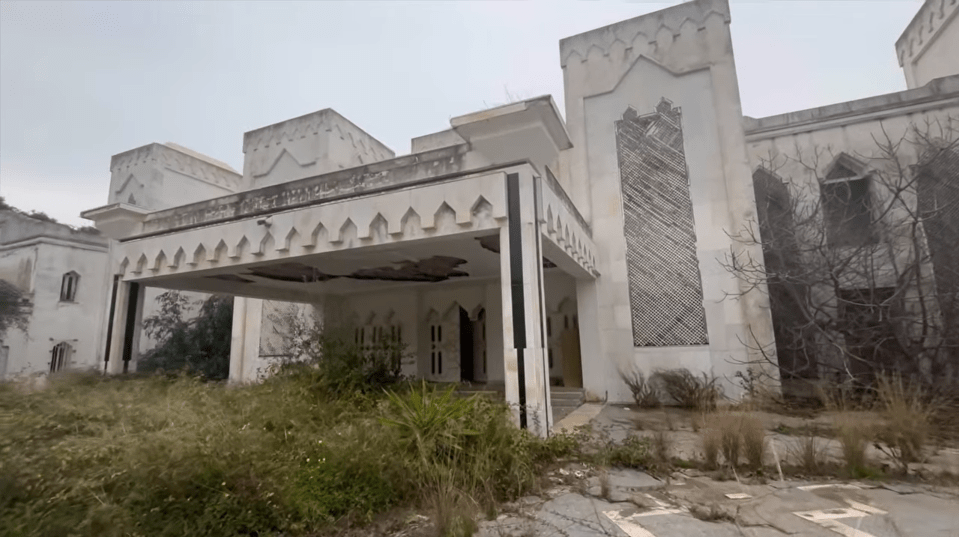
{"points": [[421, 262]]}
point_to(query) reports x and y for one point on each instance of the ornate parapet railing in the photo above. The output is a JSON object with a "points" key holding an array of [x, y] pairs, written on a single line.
{"points": [[564, 227], [468, 203]]}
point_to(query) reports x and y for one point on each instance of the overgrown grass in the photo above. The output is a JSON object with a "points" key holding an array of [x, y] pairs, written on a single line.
{"points": [[176, 456]]}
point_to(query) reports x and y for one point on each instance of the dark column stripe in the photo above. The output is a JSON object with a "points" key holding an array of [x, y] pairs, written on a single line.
{"points": [[132, 298], [541, 286], [110, 319], [515, 228]]}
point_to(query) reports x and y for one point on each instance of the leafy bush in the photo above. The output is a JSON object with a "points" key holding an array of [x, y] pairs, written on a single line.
{"points": [[338, 364], [199, 346], [688, 390]]}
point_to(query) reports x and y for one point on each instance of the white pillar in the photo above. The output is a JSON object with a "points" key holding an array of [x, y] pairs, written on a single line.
{"points": [[526, 379], [245, 338], [125, 336], [591, 345]]}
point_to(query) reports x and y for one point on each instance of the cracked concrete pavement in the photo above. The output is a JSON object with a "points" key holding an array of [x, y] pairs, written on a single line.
{"points": [[637, 505]]}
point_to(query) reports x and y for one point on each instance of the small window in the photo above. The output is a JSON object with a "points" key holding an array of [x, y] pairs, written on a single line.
{"points": [[68, 287], [60, 356], [847, 212]]}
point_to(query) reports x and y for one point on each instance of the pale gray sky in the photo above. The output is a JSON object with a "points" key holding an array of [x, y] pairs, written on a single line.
{"points": [[81, 81]]}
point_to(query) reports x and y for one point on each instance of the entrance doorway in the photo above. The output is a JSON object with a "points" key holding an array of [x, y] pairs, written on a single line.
{"points": [[466, 347], [480, 361]]}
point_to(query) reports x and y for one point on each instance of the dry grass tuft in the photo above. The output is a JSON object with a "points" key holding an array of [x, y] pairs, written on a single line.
{"points": [[734, 434], [661, 446], [452, 512], [645, 394], [754, 441], [604, 485], [907, 413], [854, 435], [712, 442], [809, 453], [688, 390]]}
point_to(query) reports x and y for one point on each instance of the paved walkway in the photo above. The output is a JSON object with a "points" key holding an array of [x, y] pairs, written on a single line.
{"points": [[632, 504]]}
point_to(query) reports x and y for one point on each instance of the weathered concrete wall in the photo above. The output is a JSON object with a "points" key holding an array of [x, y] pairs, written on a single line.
{"points": [[160, 176], [306, 146], [438, 140], [683, 54], [927, 48]]}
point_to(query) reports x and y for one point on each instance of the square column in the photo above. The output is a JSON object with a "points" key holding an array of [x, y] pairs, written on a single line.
{"points": [[125, 327], [524, 353], [245, 338]]}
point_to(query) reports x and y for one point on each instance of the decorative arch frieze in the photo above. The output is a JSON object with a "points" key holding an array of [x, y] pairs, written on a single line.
{"points": [[387, 218]]}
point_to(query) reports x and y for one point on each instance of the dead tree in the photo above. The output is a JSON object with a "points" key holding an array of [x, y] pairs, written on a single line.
{"points": [[860, 258]]}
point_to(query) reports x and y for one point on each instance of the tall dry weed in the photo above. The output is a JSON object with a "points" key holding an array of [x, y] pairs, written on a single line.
{"points": [[734, 435], [906, 411], [854, 435]]}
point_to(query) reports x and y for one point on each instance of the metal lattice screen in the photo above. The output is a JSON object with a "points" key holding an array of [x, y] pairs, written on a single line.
{"points": [[665, 289]]}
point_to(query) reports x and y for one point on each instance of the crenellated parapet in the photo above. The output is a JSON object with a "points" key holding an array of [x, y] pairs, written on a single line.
{"points": [[931, 33], [308, 145], [157, 176], [652, 35], [180, 160]]}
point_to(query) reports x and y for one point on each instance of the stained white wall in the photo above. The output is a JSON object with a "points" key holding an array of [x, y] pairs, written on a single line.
{"points": [[683, 54], [53, 321]]}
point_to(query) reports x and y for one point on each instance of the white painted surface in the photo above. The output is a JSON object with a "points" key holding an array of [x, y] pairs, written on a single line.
{"points": [[34, 256]]}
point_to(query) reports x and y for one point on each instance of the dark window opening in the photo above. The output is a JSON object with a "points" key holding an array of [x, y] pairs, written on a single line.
{"points": [[847, 212], [68, 287], [60, 356]]}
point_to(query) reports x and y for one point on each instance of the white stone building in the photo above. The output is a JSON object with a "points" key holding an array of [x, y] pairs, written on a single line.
{"points": [[522, 246], [60, 276]]}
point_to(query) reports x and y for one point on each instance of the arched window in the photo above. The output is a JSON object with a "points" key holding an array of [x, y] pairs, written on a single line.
{"points": [[60, 356], [68, 287]]}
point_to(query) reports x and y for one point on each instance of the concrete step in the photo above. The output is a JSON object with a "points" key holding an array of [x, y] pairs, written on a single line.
{"points": [[564, 400]]}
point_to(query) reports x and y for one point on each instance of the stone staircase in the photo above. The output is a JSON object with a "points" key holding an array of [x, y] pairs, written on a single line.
{"points": [[565, 400]]}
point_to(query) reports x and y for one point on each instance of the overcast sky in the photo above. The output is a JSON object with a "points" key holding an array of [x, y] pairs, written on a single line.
{"points": [[80, 81]]}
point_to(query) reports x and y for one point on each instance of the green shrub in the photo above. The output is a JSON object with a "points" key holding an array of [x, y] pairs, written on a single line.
{"points": [[200, 346], [339, 367], [634, 452]]}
